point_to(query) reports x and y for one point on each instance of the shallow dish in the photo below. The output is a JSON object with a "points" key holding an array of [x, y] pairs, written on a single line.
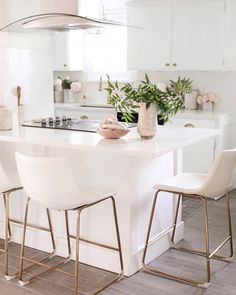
{"points": [[112, 134]]}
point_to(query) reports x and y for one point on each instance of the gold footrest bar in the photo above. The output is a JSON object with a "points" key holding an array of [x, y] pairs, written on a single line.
{"points": [[95, 243], [219, 247], [34, 263], [30, 225], [177, 278], [160, 235], [202, 253], [48, 267]]}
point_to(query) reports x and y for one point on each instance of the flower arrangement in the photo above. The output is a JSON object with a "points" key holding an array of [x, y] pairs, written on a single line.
{"points": [[67, 84], [209, 97]]}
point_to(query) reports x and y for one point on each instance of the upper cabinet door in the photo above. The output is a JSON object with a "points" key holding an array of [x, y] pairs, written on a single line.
{"points": [[148, 48], [198, 35], [67, 50]]}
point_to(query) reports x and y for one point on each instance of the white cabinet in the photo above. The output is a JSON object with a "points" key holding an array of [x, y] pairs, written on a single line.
{"points": [[182, 35], [149, 48], [198, 35], [76, 111], [68, 50], [199, 157]]}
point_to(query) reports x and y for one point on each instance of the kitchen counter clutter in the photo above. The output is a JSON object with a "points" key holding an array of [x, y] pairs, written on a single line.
{"points": [[130, 166]]}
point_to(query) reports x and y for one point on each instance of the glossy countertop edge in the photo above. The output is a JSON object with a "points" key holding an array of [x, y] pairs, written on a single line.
{"points": [[167, 139]]}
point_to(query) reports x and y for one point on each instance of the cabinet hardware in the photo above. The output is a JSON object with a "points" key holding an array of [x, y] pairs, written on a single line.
{"points": [[84, 117], [189, 125], [174, 64], [167, 64], [65, 65]]}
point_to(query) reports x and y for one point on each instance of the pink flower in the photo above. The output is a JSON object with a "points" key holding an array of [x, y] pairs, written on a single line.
{"points": [[205, 99], [76, 86]]}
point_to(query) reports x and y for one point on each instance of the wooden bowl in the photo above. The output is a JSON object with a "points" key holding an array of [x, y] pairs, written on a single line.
{"points": [[112, 134]]}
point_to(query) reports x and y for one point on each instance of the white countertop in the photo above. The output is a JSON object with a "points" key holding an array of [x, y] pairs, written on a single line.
{"points": [[167, 139]]}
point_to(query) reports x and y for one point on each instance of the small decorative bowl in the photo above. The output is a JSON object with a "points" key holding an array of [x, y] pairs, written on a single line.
{"points": [[112, 134]]}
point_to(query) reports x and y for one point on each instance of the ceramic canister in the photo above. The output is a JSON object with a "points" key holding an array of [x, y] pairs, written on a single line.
{"points": [[5, 119]]}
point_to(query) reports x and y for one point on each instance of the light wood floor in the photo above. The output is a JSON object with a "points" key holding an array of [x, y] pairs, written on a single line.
{"points": [[223, 274]]}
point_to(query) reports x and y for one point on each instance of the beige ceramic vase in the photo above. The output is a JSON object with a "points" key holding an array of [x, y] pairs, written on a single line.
{"points": [[147, 121], [5, 119]]}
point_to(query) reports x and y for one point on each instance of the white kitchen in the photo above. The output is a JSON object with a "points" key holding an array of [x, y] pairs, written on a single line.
{"points": [[126, 106]]}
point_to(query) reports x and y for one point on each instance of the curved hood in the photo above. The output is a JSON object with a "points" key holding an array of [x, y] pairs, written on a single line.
{"points": [[58, 22]]}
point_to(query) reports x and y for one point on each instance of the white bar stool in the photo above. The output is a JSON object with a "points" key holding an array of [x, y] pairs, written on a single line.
{"points": [[6, 188], [50, 183], [216, 183]]}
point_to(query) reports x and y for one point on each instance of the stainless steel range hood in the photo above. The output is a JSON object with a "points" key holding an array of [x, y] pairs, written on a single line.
{"points": [[58, 22]]}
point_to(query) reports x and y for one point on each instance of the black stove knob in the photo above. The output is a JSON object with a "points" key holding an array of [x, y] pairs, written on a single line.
{"points": [[63, 118], [43, 122], [50, 121]]}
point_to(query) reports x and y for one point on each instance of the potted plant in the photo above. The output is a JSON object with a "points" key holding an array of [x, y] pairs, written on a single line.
{"points": [[150, 100]]}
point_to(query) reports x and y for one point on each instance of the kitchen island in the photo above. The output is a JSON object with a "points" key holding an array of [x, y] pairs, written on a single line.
{"points": [[130, 166]]}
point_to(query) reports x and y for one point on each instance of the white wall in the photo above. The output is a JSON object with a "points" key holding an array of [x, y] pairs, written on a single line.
{"points": [[26, 61]]}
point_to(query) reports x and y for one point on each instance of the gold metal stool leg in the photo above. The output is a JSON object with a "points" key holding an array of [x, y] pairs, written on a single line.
{"points": [[227, 198], [119, 275], [77, 252], [68, 236], [6, 198], [176, 218], [34, 262], [74, 275], [205, 253]]}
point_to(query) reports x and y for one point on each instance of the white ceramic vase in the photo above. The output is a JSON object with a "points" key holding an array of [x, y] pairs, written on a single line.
{"points": [[5, 119], [147, 120]]}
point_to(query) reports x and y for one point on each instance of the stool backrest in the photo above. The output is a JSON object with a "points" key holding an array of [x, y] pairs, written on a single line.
{"points": [[48, 181], [220, 175]]}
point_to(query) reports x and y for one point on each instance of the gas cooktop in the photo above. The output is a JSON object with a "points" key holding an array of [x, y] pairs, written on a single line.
{"points": [[64, 123]]}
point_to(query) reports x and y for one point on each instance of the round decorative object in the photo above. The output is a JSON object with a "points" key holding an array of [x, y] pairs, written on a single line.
{"points": [[147, 121], [5, 119], [112, 134]]}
